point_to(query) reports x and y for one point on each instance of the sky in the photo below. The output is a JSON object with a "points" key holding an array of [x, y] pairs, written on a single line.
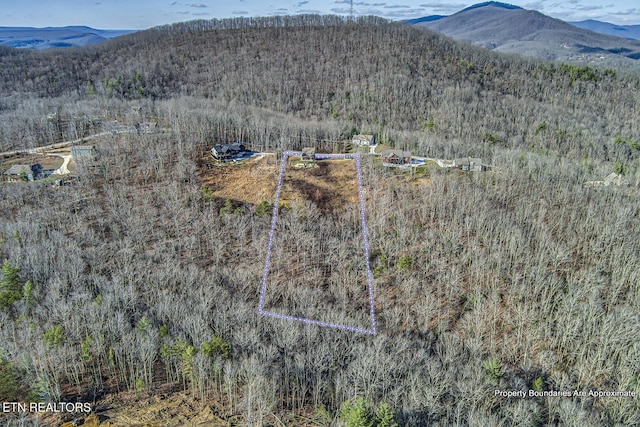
{"points": [[141, 14]]}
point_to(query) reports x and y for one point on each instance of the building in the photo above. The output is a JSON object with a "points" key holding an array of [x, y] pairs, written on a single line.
{"points": [[308, 154], [396, 157], [363, 140], [227, 151], [469, 164], [615, 179], [147, 127], [24, 172], [83, 152]]}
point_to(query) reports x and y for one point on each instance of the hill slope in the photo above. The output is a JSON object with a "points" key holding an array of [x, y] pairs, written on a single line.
{"points": [[515, 30], [143, 276], [387, 77]]}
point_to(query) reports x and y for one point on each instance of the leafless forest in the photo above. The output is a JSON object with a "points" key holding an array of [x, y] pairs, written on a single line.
{"points": [[133, 277]]}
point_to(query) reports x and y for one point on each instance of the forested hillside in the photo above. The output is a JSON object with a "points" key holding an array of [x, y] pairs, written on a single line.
{"points": [[374, 75], [135, 277]]}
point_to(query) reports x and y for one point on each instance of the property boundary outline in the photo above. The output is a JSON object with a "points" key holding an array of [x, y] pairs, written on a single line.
{"points": [[373, 329]]}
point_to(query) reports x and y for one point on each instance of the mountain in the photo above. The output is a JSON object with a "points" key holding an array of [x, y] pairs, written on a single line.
{"points": [[511, 29], [52, 37], [631, 32], [143, 280], [423, 19]]}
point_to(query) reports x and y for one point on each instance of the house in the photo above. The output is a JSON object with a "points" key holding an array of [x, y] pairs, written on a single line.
{"points": [[363, 140], [24, 172], [469, 164], [396, 157], [147, 127], [615, 179], [83, 152], [308, 154], [227, 151]]}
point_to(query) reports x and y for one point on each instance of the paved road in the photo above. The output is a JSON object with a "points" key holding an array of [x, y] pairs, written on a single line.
{"points": [[63, 169], [57, 145]]}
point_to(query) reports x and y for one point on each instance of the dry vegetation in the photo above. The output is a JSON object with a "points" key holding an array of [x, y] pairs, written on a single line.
{"points": [[143, 277]]}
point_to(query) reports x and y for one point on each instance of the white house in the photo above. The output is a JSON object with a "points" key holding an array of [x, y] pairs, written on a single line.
{"points": [[363, 140]]}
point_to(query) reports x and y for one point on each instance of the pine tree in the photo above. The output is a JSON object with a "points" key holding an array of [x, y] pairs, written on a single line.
{"points": [[9, 286]]}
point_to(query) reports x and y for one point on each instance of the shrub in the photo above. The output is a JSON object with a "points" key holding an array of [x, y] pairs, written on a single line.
{"points": [[355, 414], [493, 369], [405, 263], [263, 208], [54, 336], [384, 417], [216, 346]]}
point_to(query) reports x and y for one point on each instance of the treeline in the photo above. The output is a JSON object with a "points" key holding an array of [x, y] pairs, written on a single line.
{"points": [[370, 74]]}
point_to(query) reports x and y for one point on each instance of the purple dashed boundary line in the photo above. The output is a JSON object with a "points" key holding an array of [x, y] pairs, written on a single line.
{"points": [[365, 237]]}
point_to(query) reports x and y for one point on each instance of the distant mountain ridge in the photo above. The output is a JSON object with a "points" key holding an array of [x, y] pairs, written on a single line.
{"points": [[493, 3], [512, 29], [631, 32], [52, 37]]}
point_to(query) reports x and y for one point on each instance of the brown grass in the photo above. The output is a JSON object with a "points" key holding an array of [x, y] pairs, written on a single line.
{"points": [[47, 162], [330, 185]]}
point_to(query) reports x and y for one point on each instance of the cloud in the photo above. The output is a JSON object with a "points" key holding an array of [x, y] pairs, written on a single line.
{"points": [[357, 10], [201, 14], [311, 11], [404, 13], [183, 13], [174, 3], [438, 5], [393, 13], [588, 8], [625, 12], [574, 1], [397, 6], [444, 7], [536, 5], [198, 5], [240, 12], [360, 3], [302, 3]]}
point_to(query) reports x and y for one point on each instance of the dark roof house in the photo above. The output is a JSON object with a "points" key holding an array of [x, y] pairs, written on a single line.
{"points": [[396, 157], [24, 172], [227, 151], [469, 164], [147, 127], [308, 153]]}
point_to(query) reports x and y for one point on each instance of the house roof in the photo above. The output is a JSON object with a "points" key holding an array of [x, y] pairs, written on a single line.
{"points": [[362, 137], [309, 150], [18, 169], [225, 148], [614, 178], [466, 161], [397, 153]]}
